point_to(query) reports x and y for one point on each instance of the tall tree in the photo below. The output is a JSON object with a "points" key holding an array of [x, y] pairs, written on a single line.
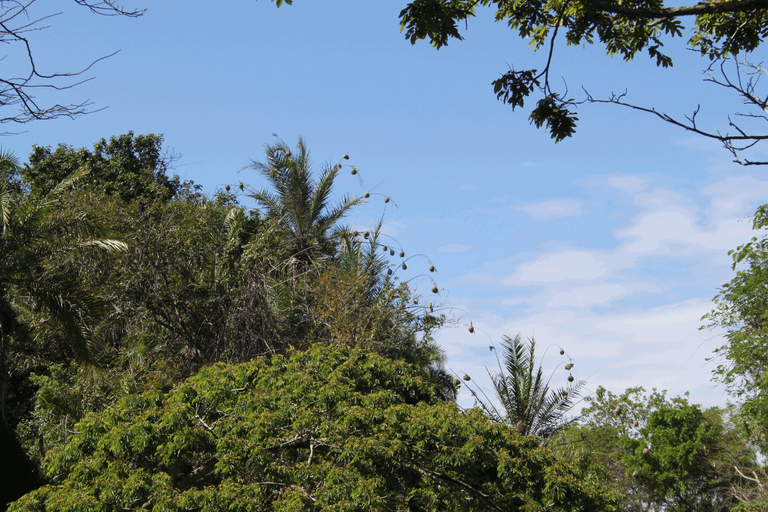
{"points": [[46, 313], [665, 454], [741, 311], [128, 166], [300, 204], [325, 429]]}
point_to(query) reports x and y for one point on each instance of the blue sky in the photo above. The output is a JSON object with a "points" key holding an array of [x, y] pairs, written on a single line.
{"points": [[610, 244]]}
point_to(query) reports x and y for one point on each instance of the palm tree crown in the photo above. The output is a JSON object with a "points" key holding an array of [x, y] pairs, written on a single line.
{"points": [[300, 204], [527, 402]]}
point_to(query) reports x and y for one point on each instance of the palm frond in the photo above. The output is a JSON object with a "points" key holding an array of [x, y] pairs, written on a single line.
{"points": [[298, 202], [107, 244], [232, 220], [67, 182], [8, 160], [4, 206], [527, 402]]}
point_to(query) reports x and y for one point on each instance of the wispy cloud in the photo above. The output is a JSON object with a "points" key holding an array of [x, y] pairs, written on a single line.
{"points": [[553, 208], [560, 266], [624, 309], [454, 248], [588, 295], [627, 184], [661, 347]]}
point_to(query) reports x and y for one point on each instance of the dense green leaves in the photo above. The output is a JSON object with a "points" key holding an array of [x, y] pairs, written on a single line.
{"points": [[128, 166], [300, 204], [675, 459], [741, 309], [665, 454], [41, 303], [326, 429], [199, 280]]}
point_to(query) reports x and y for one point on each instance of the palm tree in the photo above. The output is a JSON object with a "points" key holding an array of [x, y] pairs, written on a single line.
{"points": [[527, 402], [300, 204], [34, 234]]}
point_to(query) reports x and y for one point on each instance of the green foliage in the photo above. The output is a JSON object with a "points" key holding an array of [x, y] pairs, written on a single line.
{"points": [[202, 280], [299, 203], [665, 454], [741, 309], [358, 418], [626, 28], [40, 304], [553, 111], [128, 166], [527, 402], [676, 465], [633, 405], [355, 302], [326, 429]]}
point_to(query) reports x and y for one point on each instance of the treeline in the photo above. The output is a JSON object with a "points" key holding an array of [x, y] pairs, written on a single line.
{"points": [[167, 350], [117, 278]]}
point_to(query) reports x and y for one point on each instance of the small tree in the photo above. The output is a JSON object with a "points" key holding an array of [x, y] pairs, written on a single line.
{"points": [[527, 402]]}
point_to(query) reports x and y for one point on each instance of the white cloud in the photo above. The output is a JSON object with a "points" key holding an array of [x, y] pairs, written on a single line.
{"points": [[393, 228], [660, 347], [735, 195], [561, 266], [588, 296], [667, 228], [656, 232], [553, 208], [627, 184], [675, 243], [465, 187], [454, 248]]}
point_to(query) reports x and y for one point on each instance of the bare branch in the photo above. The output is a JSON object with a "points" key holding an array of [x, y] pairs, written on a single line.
{"points": [[745, 85], [687, 10], [18, 91], [109, 8]]}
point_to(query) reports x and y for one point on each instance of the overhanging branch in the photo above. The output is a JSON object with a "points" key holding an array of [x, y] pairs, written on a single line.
{"points": [[688, 10]]}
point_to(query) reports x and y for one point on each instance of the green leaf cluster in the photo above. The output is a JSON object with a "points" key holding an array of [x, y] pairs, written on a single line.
{"points": [[197, 280], [326, 429], [666, 454], [741, 310]]}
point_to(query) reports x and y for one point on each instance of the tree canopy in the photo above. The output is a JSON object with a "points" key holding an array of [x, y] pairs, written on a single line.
{"points": [[666, 454], [126, 166], [325, 429], [741, 311], [208, 365], [200, 280]]}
